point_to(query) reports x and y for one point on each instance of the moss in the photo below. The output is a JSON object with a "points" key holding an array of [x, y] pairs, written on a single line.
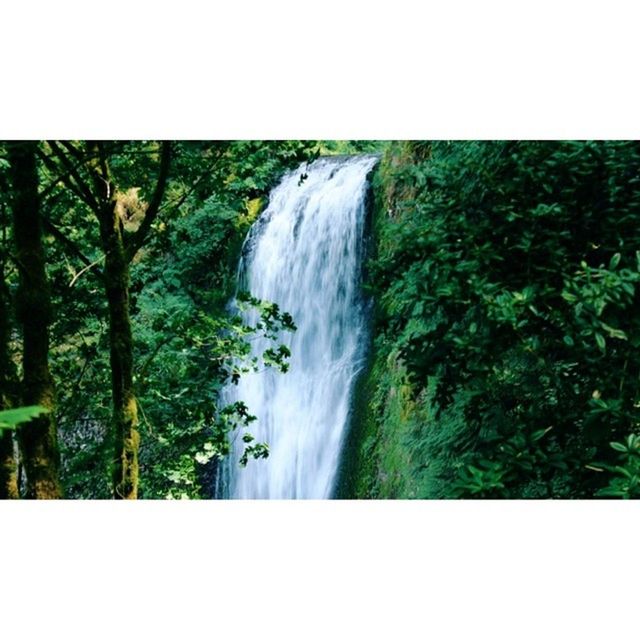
{"points": [[386, 418], [356, 472], [254, 208], [381, 459], [8, 467]]}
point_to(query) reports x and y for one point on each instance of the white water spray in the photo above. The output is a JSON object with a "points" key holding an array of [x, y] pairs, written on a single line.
{"points": [[305, 254]]}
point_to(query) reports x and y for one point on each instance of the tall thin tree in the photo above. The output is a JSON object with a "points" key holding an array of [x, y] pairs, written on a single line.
{"points": [[8, 470], [119, 247], [38, 438]]}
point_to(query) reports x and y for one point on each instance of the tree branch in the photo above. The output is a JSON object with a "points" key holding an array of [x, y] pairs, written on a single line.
{"points": [[89, 266], [63, 239], [64, 178], [104, 167], [179, 201], [137, 239], [83, 189]]}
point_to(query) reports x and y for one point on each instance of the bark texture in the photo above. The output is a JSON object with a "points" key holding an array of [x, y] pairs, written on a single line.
{"points": [[125, 409], [37, 439], [8, 467]]}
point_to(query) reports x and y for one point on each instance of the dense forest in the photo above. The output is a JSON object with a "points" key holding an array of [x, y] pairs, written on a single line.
{"points": [[506, 356], [503, 353]]}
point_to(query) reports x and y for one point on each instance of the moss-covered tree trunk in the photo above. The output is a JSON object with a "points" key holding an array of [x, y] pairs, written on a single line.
{"points": [[37, 439], [100, 194], [125, 414], [119, 252], [8, 469]]}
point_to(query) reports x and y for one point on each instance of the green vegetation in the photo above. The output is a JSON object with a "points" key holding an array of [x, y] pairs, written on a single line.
{"points": [[11, 418], [505, 357], [507, 348], [141, 242]]}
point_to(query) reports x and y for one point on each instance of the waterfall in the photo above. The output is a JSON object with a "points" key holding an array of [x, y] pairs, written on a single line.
{"points": [[305, 254]]}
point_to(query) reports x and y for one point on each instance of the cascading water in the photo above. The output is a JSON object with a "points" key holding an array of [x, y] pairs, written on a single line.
{"points": [[305, 254]]}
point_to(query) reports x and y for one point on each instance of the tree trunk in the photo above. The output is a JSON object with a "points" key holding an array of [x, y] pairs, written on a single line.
{"points": [[118, 256], [37, 439], [125, 410], [8, 469]]}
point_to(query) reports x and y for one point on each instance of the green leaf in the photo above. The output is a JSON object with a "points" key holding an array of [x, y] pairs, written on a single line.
{"points": [[601, 341], [11, 418], [612, 492], [618, 446], [615, 261], [614, 333], [537, 435]]}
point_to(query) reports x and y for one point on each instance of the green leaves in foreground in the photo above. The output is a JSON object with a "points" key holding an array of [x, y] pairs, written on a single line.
{"points": [[625, 479], [11, 418]]}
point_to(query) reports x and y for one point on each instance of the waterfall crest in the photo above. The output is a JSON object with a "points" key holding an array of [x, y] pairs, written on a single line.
{"points": [[305, 254]]}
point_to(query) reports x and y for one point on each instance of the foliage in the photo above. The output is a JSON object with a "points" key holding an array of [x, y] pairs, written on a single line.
{"points": [[180, 386], [507, 277], [624, 480], [12, 418], [186, 343]]}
